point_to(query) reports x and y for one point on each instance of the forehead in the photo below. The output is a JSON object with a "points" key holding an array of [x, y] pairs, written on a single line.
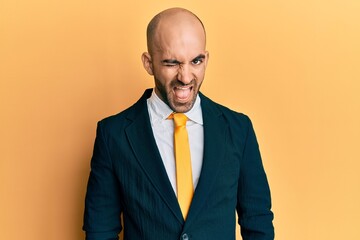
{"points": [[178, 40], [179, 49]]}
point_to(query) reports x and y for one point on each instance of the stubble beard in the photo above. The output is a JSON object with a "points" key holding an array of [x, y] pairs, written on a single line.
{"points": [[167, 95]]}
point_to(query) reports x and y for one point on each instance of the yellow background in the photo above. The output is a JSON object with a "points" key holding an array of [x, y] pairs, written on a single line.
{"points": [[291, 65]]}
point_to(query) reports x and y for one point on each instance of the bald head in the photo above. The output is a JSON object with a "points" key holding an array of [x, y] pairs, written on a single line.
{"points": [[176, 57], [170, 20]]}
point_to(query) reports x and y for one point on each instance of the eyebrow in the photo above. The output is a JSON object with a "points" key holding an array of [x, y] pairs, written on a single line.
{"points": [[174, 61], [200, 56]]}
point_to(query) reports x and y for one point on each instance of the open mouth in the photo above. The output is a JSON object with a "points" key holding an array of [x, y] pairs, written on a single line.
{"points": [[183, 93]]}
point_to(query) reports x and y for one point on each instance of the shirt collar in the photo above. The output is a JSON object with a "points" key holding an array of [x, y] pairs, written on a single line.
{"points": [[162, 111]]}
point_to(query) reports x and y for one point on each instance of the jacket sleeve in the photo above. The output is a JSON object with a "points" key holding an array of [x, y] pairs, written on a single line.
{"points": [[102, 202], [254, 201]]}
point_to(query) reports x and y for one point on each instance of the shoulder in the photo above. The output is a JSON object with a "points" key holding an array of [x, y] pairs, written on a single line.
{"points": [[127, 116], [113, 126], [117, 117], [234, 118], [239, 126]]}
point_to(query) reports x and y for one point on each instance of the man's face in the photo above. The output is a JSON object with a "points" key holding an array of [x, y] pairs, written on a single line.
{"points": [[178, 63]]}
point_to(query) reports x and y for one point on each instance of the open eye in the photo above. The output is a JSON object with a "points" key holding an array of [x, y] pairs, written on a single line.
{"points": [[196, 61]]}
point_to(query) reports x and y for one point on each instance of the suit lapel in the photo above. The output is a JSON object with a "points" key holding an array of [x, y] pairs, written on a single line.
{"points": [[215, 131], [143, 144], [148, 156]]}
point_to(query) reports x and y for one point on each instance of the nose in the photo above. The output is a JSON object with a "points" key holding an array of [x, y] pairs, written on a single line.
{"points": [[185, 74]]}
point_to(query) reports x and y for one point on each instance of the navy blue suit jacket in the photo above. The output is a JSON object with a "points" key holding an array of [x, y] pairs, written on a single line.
{"points": [[128, 177]]}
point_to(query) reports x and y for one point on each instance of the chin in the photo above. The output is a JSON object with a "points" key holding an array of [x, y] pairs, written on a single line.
{"points": [[182, 107]]}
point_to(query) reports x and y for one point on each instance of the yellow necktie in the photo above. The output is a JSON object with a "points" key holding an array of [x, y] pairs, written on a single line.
{"points": [[184, 181]]}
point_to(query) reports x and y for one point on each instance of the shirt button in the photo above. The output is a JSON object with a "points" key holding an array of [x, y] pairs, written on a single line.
{"points": [[185, 237]]}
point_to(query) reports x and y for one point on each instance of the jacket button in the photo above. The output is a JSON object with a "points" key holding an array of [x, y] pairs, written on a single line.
{"points": [[185, 237]]}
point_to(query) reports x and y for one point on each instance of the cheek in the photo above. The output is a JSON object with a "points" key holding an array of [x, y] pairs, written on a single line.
{"points": [[200, 73]]}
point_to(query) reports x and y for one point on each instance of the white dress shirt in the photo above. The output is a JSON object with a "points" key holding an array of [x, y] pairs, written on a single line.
{"points": [[163, 130]]}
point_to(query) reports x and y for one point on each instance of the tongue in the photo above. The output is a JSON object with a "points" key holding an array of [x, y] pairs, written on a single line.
{"points": [[182, 94]]}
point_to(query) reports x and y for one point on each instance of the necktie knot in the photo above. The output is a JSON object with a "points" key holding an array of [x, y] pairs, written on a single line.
{"points": [[179, 119]]}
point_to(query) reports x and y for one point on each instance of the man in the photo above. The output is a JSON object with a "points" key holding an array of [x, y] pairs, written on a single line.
{"points": [[136, 172]]}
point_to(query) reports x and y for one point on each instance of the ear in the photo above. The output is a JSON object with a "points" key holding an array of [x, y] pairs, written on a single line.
{"points": [[147, 62], [206, 58]]}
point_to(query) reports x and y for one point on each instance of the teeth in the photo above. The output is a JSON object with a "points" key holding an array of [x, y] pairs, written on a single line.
{"points": [[183, 88]]}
